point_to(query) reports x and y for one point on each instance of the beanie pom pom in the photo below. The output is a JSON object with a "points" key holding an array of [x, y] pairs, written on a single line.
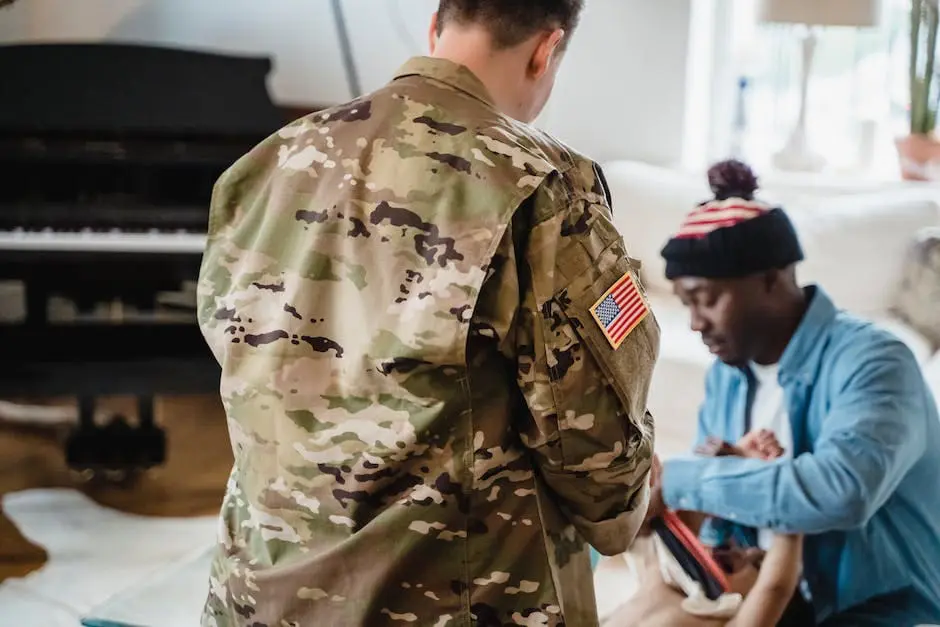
{"points": [[732, 179]]}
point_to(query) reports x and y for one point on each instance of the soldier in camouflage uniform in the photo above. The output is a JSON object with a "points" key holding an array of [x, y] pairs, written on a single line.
{"points": [[435, 351]]}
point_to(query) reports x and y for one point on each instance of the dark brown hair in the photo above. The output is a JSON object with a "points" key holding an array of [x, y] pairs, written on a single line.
{"points": [[511, 22]]}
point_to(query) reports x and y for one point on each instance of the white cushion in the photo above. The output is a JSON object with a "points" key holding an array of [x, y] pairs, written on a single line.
{"points": [[919, 345], [649, 204], [855, 246], [854, 243], [932, 375]]}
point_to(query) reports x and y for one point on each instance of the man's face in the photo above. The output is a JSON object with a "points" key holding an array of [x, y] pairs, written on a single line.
{"points": [[728, 314]]}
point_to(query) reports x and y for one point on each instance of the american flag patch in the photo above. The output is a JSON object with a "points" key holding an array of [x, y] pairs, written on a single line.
{"points": [[620, 310]]}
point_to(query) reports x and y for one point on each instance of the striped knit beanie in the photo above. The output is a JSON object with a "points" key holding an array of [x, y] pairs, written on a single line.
{"points": [[732, 235]]}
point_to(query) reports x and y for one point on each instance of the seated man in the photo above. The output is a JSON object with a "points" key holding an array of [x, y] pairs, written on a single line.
{"points": [[859, 429]]}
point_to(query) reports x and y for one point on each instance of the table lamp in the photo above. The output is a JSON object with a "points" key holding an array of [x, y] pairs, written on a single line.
{"points": [[797, 155]]}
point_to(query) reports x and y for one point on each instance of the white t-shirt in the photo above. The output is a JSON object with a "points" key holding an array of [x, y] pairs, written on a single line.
{"points": [[769, 411]]}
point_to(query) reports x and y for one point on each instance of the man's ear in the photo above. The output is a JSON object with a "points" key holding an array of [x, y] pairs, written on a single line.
{"points": [[772, 279], [432, 33], [548, 47]]}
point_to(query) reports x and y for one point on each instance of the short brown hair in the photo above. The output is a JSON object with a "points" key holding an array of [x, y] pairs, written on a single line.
{"points": [[511, 22]]}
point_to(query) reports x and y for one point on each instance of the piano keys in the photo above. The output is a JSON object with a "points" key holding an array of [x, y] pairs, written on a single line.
{"points": [[109, 154], [50, 240]]}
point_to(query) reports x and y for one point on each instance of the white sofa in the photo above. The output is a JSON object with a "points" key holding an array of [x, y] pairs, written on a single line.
{"points": [[854, 241]]}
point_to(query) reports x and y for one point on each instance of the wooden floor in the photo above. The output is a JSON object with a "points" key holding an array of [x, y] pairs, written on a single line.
{"points": [[190, 484]]}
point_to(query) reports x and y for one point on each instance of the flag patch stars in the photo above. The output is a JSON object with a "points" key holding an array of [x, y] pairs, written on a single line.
{"points": [[620, 310]]}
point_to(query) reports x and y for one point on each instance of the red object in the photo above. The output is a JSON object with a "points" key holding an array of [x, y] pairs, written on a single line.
{"points": [[696, 549]]}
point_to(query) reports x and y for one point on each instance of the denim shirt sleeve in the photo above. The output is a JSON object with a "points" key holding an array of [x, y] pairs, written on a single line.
{"points": [[872, 434], [708, 413], [714, 531]]}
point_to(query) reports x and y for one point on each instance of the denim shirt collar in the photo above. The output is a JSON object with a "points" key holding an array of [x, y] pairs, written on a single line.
{"points": [[801, 358]]}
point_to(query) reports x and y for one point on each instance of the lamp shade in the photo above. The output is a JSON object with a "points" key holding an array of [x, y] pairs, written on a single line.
{"points": [[855, 13]]}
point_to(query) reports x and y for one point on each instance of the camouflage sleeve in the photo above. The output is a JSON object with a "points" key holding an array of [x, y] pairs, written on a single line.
{"points": [[586, 344]]}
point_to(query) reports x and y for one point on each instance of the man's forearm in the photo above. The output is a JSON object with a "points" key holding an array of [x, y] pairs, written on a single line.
{"points": [[759, 494], [779, 576], [696, 485]]}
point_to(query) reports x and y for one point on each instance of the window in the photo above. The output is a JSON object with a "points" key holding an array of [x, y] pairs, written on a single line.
{"points": [[857, 101]]}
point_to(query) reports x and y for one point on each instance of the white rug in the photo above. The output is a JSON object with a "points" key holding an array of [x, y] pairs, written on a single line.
{"points": [[112, 569], [99, 556]]}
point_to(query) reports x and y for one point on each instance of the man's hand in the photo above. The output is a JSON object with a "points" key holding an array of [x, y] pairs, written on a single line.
{"points": [[761, 444], [733, 558], [716, 447]]}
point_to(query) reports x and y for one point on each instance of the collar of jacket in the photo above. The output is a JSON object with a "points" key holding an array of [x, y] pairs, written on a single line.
{"points": [[452, 74], [801, 358]]}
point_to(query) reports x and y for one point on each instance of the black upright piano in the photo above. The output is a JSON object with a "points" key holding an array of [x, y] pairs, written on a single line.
{"points": [[108, 155]]}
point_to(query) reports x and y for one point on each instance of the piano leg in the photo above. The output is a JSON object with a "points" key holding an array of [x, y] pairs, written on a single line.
{"points": [[86, 412], [117, 450], [151, 438], [37, 304], [81, 444], [84, 446]]}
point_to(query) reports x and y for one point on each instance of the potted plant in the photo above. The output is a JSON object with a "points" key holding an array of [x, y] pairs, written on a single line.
{"points": [[919, 151]]}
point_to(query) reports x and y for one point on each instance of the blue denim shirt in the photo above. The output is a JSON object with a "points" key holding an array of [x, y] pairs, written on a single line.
{"points": [[864, 481]]}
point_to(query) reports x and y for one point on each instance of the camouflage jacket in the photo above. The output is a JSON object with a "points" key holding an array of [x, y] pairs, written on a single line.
{"points": [[428, 415]]}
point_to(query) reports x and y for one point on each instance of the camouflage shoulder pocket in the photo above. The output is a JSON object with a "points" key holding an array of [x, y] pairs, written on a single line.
{"points": [[613, 319]]}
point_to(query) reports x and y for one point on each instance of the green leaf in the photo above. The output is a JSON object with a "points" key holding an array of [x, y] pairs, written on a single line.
{"points": [[925, 17], [932, 21]]}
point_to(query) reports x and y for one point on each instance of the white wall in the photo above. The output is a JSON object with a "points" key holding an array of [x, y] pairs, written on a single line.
{"points": [[621, 93]]}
